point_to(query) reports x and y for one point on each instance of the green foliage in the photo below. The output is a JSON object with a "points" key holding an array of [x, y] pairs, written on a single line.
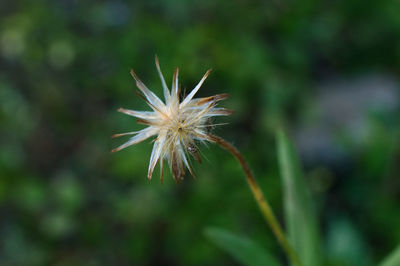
{"points": [[242, 249], [345, 245], [64, 200], [393, 259], [300, 216]]}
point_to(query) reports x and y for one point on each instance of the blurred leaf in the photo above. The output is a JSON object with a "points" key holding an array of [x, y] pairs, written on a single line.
{"points": [[300, 216], [345, 243], [242, 249], [393, 259]]}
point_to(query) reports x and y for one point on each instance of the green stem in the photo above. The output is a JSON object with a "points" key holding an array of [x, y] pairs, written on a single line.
{"points": [[261, 200]]}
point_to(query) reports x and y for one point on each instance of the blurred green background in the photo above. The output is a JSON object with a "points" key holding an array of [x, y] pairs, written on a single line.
{"points": [[327, 70]]}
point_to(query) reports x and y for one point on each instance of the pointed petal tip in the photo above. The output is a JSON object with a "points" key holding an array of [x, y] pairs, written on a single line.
{"points": [[150, 172], [125, 111], [222, 96], [157, 62], [162, 171], [227, 112], [141, 121], [134, 75], [215, 98], [192, 173]]}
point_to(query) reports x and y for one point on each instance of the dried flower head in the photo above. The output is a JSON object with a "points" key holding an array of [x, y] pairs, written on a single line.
{"points": [[177, 124]]}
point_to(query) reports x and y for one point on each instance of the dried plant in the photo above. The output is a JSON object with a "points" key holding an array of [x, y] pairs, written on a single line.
{"points": [[179, 125]]}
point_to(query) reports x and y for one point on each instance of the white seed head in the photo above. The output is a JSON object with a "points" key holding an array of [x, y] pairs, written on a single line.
{"points": [[177, 124]]}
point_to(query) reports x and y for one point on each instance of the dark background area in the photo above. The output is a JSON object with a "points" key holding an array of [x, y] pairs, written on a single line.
{"points": [[326, 70]]}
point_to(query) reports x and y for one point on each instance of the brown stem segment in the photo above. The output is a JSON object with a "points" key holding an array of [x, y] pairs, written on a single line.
{"points": [[261, 200]]}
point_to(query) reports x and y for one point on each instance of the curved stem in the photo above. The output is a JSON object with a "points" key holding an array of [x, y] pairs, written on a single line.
{"points": [[261, 200]]}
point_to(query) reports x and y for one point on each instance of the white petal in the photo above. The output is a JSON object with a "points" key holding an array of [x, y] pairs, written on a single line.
{"points": [[218, 112], [162, 170], [199, 115], [138, 114], [174, 100], [175, 85], [141, 135], [124, 134], [155, 155], [205, 100], [164, 84], [194, 91], [150, 96]]}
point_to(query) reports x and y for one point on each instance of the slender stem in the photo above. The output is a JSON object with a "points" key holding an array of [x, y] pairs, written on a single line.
{"points": [[261, 200]]}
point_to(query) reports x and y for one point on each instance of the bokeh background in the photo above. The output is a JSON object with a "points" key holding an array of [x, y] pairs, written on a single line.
{"points": [[328, 71]]}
